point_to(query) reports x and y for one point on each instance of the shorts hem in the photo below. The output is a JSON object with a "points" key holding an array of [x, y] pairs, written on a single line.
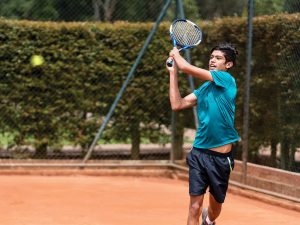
{"points": [[217, 200], [197, 194]]}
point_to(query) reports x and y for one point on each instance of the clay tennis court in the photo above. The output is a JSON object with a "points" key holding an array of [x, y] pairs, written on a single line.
{"points": [[115, 200]]}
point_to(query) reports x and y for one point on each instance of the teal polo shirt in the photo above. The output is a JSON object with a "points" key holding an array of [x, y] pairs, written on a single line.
{"points": [[216, 111]]}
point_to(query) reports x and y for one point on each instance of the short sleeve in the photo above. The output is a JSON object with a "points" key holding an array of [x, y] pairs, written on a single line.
{"points": [[222, 78], [196, 92]]}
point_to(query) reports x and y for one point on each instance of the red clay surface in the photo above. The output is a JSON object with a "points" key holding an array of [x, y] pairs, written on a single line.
{"points": [[115, 200]]}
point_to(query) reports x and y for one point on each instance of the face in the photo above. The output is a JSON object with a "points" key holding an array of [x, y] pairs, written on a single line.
{"points": [[217, 61]]}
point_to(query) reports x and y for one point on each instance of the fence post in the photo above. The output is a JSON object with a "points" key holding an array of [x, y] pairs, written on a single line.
{"points": [[129, 76], [175, 115], [247, 91]]}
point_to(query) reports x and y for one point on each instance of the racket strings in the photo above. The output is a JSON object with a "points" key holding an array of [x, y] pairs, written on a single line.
{"points": [[186, 34]]}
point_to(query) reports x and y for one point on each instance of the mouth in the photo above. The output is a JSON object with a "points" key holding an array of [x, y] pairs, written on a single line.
{"points": [[212, 66]]}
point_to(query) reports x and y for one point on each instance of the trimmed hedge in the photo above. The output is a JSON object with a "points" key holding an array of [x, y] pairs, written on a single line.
{"points": [[86, 63]]}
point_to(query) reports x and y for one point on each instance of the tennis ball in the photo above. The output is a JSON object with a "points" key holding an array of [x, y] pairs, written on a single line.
{"points": [[37, 60]]}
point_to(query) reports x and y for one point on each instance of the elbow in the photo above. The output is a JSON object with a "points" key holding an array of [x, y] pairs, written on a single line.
{"points": [[175, 108]]}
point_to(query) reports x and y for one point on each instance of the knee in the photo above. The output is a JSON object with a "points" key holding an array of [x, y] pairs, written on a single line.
{"points": [[195, 209]]}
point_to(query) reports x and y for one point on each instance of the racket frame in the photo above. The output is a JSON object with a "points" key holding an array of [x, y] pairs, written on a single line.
{"points": [[182, 47]]}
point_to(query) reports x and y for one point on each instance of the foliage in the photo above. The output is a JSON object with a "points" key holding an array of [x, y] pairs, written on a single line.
{"points": [[27, 9], [268, 7], [292, 6], [136, 10], [63, 96], [210, 9]]}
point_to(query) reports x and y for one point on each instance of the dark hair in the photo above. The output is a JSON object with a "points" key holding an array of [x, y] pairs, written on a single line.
{"points": [[229, 51]]}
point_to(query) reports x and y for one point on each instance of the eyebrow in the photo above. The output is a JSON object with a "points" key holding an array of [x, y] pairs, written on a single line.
{"points": [[217, 56]]}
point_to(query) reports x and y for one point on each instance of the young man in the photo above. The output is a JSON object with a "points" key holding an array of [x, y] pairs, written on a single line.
{"points": [[210, 160]]}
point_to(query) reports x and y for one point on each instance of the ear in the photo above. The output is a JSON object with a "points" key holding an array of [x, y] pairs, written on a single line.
{"points": [[228, 65]]}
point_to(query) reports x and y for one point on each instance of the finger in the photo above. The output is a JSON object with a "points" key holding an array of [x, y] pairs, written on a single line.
{"points": [[169, 59], [171, 54]]}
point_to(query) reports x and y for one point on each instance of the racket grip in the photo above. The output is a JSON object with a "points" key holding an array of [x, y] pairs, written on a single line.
{"points": [[170, 63]]}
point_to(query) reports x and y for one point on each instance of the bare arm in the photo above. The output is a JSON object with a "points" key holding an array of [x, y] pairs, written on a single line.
{"points": [[187, 68], [177, 102]]}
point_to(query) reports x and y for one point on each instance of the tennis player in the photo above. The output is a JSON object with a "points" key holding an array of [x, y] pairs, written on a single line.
{"points": [[210, 161]]}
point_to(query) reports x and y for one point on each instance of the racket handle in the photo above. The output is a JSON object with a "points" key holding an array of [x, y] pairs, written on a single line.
{"points": [[170, 63]]}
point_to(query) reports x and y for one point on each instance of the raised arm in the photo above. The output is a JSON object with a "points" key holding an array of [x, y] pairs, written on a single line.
{"points": [[177, 102], [187, 68]]}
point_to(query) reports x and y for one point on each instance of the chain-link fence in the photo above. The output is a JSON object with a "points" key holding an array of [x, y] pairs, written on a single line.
{"points": [[54, 111], [274, 91]]}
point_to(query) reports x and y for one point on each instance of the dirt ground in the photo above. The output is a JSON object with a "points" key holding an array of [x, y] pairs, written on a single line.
{"points": [[119, 200]]}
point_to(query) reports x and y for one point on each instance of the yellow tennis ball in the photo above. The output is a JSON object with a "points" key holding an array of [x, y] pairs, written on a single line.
{"points": [[37, 60]]}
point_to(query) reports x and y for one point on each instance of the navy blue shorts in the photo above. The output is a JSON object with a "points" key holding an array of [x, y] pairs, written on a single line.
{"points": [[211, 169]]}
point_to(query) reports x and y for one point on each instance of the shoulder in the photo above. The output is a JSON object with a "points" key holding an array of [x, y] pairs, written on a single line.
{"points": [[222, 78], [219, 73]]}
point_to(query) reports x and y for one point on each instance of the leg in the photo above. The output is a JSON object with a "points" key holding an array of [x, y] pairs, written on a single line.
{"points": [[195, 209], [214, 208], [219, 173]]}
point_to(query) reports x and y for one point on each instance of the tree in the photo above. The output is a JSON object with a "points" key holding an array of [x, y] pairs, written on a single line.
{"points": [[292, 6], [75, 10], [209, 9], [31, 9], [104, 9], [268, 7], [136, 10], [15, 9]]}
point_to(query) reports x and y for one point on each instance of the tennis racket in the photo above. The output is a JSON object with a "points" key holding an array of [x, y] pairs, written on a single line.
{"points": [[185, 34]]}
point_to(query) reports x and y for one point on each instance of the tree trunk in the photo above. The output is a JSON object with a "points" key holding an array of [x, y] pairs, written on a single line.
{"points": [[135, 140], [284, 154], [96, 10], [178, 134], [292, 162], [41, 151], [273, 153], [107, 7]]}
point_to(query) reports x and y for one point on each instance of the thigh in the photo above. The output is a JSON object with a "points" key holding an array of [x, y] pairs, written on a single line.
{"points": [[219, 173], [198, 177]]}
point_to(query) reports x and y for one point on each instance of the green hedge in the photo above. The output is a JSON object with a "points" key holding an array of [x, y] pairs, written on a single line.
{"points": [[86, 64]]}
